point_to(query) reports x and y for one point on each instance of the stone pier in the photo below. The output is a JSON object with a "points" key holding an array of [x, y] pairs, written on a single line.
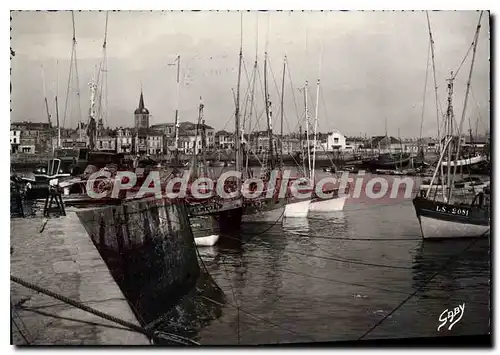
{"points": [[149, 248], [63, 259]]}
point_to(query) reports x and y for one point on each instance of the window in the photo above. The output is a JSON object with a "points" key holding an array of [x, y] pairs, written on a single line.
{"points": [[335, 140]]}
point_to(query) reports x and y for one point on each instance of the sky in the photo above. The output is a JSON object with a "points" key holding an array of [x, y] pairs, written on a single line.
{"points": [[372, 67]]}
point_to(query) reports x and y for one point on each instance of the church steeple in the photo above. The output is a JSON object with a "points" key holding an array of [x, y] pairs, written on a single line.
{"points": [[141, 114], [141, 109]]}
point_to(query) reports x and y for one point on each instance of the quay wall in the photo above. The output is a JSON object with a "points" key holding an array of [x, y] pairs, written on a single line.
{"points": [[149, 248]]}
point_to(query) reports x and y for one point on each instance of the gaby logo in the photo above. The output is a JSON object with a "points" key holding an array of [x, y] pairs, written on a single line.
{"points": [[451, 316]]}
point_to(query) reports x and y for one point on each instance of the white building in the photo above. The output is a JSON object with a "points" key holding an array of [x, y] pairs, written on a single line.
{"points": [[224, 140], [187, 143], [155, 143], [15, 140], [334, 141], [124, 140]]}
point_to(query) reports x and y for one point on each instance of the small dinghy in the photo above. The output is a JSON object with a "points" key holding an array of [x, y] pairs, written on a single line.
{"points": [[208, 241]]}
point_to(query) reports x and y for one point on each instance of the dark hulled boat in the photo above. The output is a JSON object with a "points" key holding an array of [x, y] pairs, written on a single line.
{"points": [[439, 220], [449, 218]]}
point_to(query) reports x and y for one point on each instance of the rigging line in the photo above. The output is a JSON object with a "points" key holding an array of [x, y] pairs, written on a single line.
{"points": [[478, 109], [254, 102], [257, 121], [353, 239], [476, 39], [335, 255], [278, 113], [248, 92], [375, 288], [292, 90], [259, 318], [350, 261], [465, 57], [450, 260], [268, 228], [425, 92]]}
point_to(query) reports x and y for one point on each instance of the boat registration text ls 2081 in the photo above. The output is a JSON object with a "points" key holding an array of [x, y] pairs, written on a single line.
{"points": [[457, 211]]}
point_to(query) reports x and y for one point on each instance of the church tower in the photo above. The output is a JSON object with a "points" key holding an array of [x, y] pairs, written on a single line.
{"points": [[141, 115]]}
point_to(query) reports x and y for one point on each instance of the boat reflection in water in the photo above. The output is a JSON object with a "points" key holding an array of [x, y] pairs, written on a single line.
{"points": [[295, 225]]}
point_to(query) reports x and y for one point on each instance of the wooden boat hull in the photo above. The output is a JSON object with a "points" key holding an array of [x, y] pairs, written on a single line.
{"points": [[442, 221]]}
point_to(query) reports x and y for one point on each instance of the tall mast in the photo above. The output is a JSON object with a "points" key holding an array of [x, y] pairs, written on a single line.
{"points": [[400, 150], [316, 114], [177, 100], [268, 105], [302, 150], [203, 138], [195, 145], [449, 127], [91, 131], [47, 107], [237, 128], [252, 95], [58, 126], [307, 131], [57, 107], [476, 37], [103, 69], [73, 62], [282, 110], [434, 75], [77, 80]]}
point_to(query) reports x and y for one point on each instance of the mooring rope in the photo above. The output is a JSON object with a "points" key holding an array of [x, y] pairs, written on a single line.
{"points": [[155, 335]]}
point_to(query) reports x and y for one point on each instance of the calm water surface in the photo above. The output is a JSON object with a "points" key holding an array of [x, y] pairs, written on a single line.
{"points": [[333, 277]]}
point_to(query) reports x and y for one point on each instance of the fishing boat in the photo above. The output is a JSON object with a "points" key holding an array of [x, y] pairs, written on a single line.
{"points": [[37, 184], [331, 169], [446, 220], [449, 218]]}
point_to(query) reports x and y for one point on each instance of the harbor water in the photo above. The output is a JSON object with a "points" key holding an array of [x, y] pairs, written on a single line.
{"points": [[334, 277]]}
